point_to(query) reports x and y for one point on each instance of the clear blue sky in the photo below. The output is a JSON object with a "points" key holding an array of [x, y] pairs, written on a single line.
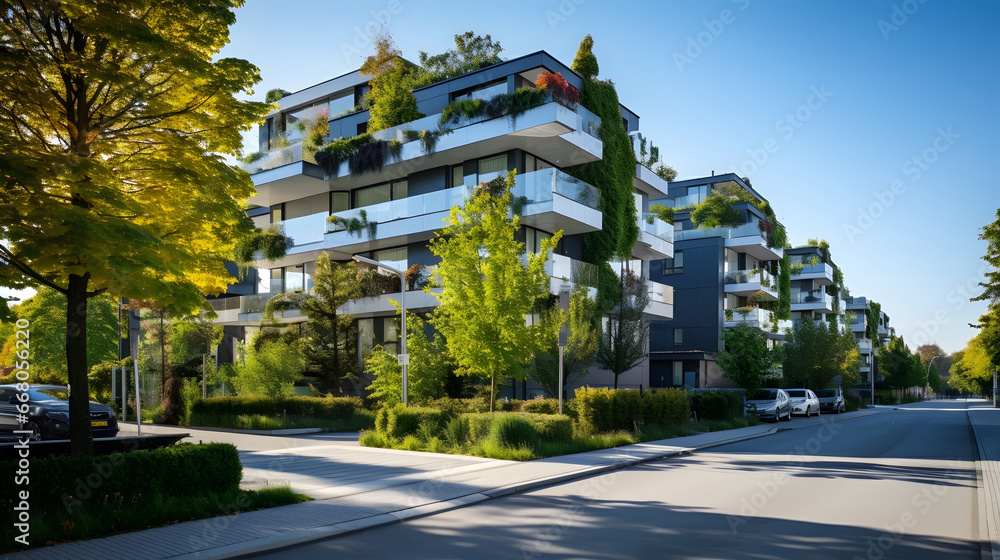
{"points": [[715, 80]]}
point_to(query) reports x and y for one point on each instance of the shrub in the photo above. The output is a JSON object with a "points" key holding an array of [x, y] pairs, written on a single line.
{"points": [[456, 432], [541, 406], [513, 430], [716, 405], [370, 157], [606, 410], [373, 439], [550, 428], [330, 156], [184, 469], [561, 90], [852, 402], [403, 421], [455, 407], [382, 420], [332, 408]]}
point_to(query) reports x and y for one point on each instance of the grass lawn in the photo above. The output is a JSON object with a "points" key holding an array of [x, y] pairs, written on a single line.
{"points": [[443, 441]]}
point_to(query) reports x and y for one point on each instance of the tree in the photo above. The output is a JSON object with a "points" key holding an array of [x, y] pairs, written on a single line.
{"points": [[971, 370], [330, 352], [46, 312], [471, 53], [390, 98], [581, 345], [665, 172], [716, 211], [488, 289], [112, 178], [928, 352], [815, 355], [991, 288], [429, 367], [900, 367], [585, 63], [271, 370], [623, 343], [746, 360]]}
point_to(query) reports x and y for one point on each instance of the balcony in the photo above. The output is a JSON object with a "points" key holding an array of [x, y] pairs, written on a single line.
{"points": [[552, 201], [865, 346], [754, 317], [551, 131], [746, 283], [816, 300], [820, 273], [661, 302], [648, 182], [746, 238], [656, 239]]}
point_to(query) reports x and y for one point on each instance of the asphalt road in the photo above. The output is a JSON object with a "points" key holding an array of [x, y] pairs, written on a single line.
{"points": [[900, 484]]}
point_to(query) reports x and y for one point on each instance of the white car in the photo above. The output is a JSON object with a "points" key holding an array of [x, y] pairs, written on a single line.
{"points": [[804, 402]]}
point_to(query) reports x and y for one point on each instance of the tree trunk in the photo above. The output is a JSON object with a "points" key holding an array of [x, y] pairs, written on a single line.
{"points": [[616, 382], [163, 353], [81, 439]]}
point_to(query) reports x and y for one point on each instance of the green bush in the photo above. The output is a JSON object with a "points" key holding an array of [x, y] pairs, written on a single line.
{"points": [[184, 469], [331, 408], [716, 405], [403, 421], [382, 420], [374, 439], [852, 402], [549, 427], [606, 410], [513, 430], [541, 406], [456, 432], [456, 407]]}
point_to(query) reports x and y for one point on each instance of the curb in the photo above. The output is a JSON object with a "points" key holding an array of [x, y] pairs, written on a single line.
{"points": [[294, 538], [990, 546]]}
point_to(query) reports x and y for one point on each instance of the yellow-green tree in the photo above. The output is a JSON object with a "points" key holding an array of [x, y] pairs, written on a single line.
{"points": [[489, 286], [114, 119]]}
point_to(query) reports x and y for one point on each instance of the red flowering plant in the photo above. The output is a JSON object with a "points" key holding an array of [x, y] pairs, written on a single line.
{"points": [[561, 90]]}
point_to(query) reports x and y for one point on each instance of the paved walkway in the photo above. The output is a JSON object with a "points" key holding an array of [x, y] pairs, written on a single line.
{"points": [[354, 505], [985, 422]]}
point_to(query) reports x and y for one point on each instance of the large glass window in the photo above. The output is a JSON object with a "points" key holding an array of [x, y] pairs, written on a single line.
{"points": [[395, 257], [399, 189], [533, 239], [492, 167], [263, 280], [372, 195], [532, 163], [366, 337], [678, 374], [342, 103], [296, 122], [295, 277], [459, 178], [389, 340], [674, 265], [339, 202], [277, 213], [277, 286], [485, 92]]}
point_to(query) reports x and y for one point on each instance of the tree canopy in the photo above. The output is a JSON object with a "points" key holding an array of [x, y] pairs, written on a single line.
{"points": [[581, 345], [746, 360], [114, 124], [624, 340], [815, 354], [901, 367]]}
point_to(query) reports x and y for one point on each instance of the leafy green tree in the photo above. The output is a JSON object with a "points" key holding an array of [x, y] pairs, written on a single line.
{"points": [[665, 172], [112, 175], [46, 312], [430, 366], [585, 63], [386, 387], [991, 287], [623, 343], [746, 360], [665, 213], [271, 370], [716, 211], [390, 98], [191, 338], [581, 345], [472, 52], [815, 354], [488, 290], [329, 341], [900, 367]]}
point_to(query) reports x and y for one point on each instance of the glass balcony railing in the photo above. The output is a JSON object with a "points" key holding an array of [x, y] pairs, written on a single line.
{"points": [[254, 303], [661, 293], [657, 227], [273, 158], [688, 201], [304, 229], [816, 296], [575, 271], [745, 230], [747, 276], [755, 317], [536, 187]]}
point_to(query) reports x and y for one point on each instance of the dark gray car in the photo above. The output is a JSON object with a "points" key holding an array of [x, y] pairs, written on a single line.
{"points": [[770, 404], [831, 400], [48, 413]]}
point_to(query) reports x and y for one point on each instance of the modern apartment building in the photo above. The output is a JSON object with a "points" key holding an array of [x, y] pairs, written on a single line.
{"points": [[412, 194], [811, 277], [720, 278]]}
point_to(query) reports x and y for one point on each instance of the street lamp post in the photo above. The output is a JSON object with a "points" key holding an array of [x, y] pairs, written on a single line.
{"points": [[403, 357]]}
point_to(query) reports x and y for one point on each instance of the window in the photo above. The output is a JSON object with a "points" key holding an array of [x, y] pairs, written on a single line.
{"points": [[678, 374], [389, 340], [263, 280], [372, 195], [484, 92], [533, 239], [339, 202], [341, 103], [395, 257], [295, 277], [532, 163], [296, 121], [399, 189], [678, 336], [276, 285], [366, 337], [277, 213], [492, 167], [674, 265]]}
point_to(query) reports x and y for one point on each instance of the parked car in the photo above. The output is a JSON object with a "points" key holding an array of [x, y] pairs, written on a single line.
{"points": [[832, 400], [770, 404], [48, 413], [804, 402]]}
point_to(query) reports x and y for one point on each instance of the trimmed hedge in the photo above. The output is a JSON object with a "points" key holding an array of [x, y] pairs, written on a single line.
{"points": [[607, 410], [401, 421], [541, 406], [332, 408], [716, 405], [70, 481], [549, 427]]}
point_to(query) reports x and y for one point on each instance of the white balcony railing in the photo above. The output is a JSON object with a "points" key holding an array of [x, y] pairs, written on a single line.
{"points": [[754, 317], [761, 277], [745, 230], [657, 227]]}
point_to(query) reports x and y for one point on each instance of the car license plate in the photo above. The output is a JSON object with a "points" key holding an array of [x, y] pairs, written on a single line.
{"points": [[96, 423]]}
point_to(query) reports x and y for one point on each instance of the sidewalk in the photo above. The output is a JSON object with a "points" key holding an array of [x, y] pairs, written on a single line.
{"points": [[388, 500], [985, 422]]}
